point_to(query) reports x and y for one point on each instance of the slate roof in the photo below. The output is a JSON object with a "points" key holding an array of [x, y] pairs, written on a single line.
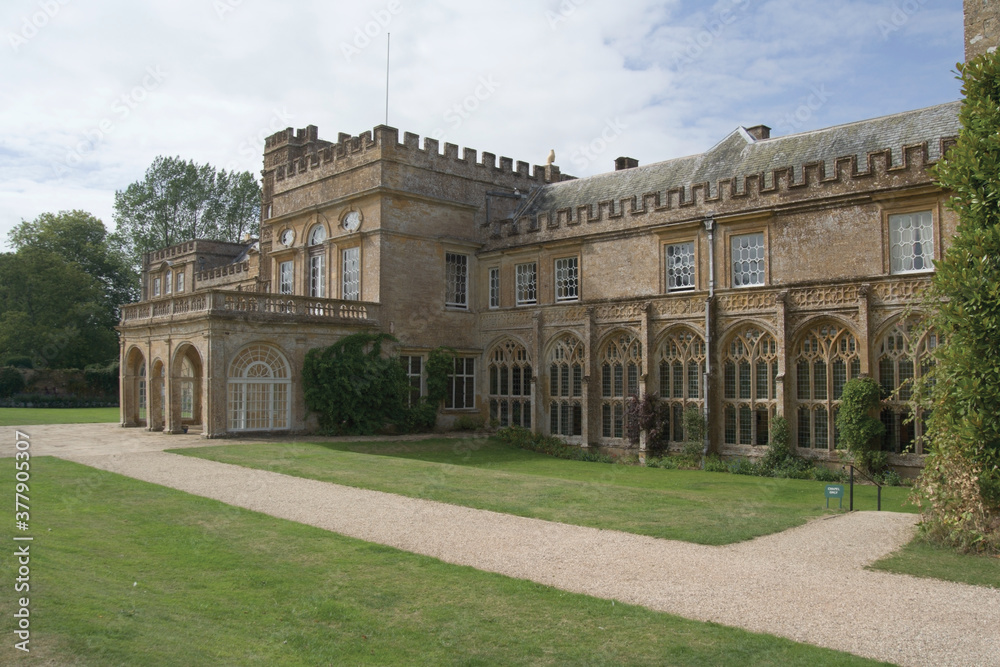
{"points": [[740, 155]]}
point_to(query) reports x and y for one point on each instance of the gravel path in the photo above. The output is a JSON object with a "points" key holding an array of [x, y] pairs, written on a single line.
{"points": [[807, 584]]}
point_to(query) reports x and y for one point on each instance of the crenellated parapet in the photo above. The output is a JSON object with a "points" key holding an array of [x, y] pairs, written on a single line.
{"points": [[844, 175], [300, 154]]}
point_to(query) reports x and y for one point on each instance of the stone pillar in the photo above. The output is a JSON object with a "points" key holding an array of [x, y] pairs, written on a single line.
{"points": [[783, 398], [865, 327], [215, 385], [537, 414], [645, 337], [590, 427]]}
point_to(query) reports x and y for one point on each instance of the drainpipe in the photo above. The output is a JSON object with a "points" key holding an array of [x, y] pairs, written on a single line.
{"points": [[710, 228]]}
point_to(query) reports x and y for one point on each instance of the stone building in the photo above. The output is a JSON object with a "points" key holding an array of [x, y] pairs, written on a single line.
{"points": [[750, 281]]}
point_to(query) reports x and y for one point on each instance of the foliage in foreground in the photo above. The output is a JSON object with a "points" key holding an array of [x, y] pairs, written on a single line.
{"points": [[960, 483], [859, 431]]}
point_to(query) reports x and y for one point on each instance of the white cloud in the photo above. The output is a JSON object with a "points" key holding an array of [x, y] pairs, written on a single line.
{"points": [[514, 79]]}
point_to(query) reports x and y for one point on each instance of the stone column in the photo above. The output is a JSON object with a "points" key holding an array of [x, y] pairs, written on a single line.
{"points": [[589, 427]]}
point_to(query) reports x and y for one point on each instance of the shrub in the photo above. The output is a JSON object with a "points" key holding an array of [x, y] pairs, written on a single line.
{"points": [[19, 362], [651, 415], [744, 466], [11, 382], [859, 431], [824, 474], [714, 463], [353, 387], [469, 423], [522, 438]]}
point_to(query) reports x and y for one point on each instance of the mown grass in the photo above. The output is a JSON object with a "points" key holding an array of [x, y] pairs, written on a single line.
{"points": [[693, 506], [34, 416], [126, 572], [921, 558]]}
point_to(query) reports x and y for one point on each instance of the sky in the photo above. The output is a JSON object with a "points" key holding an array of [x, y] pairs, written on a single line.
{"points": [[91, 92]]}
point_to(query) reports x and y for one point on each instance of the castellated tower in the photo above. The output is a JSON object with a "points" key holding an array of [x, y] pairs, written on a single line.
{"points": [[982, 27]]}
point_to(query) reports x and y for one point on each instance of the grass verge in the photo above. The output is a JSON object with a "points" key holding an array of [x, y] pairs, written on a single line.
{"points": [[693, 506], [921, 558], [125, 572], [34, 416]]}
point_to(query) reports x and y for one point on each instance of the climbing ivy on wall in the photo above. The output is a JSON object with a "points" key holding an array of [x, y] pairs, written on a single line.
{"points": [[353, 387]]}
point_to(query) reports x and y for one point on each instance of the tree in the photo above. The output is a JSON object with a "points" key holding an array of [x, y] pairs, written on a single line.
{"points": [[960, 483], [180, 201], [79, 237], [53, 311]]}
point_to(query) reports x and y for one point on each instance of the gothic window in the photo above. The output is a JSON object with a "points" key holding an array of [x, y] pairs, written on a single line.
{"points": [[526, 283], [168, 282], [156, 286], [141, 390], [748, 259], [680, 266], [681, 369], [510, 385], [351, 274], [495, 287], [180, 281], [259, 390], [750, 371], [462, 385], [456, 280], [621, 361], [565, 406], [567, 279], [825, 359], [900, 357], [911, 242]]}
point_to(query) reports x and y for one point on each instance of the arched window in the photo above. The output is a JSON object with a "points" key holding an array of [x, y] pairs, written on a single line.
{"points": [[681, 368], [510, 385], [187, 389], [566, 386], [259, 390], [899, 357], [825, 359], [750, 369], [621, 361]]}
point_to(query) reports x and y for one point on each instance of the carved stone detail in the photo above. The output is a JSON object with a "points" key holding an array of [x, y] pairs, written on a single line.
{"points": [[824, 297], [679, 306], [748, 301], [899, 291], [620, 312], [508, 320]]}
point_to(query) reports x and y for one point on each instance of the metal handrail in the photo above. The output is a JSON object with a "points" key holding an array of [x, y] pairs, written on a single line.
{"points": [[863, 474]]}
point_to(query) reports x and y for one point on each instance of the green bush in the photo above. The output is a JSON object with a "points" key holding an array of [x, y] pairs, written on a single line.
{"points": [[546, 444], [11, 382], [19, 362], [714, 463], [744, 466], [353, 387], [823, 474], [860, 432], [469, 423]]}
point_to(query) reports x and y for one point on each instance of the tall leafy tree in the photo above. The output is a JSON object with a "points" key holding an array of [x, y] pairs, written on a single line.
{"points": [[79, 237], [180, 201], [961, 479], [53, 311]]}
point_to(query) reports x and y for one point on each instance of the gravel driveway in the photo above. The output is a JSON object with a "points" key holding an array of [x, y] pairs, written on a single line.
{"points": [[808, 584]]}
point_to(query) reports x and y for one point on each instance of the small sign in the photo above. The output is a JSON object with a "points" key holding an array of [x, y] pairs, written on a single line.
{"points": [[835, 491]]}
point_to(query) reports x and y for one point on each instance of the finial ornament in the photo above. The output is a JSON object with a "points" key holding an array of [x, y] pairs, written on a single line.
{"points": [[550, 160]]}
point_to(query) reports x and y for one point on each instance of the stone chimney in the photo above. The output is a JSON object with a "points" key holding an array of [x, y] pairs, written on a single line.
{"points": [[623, 163], [759, 132]]}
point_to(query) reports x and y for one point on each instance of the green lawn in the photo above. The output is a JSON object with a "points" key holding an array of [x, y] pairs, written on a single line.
{"points": [[125, 572], [694, 506], [32, 416], [922, 559]]}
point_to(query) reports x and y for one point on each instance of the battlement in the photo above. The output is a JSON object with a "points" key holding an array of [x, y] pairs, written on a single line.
{"points": [[739, 193], [306, 153]]}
